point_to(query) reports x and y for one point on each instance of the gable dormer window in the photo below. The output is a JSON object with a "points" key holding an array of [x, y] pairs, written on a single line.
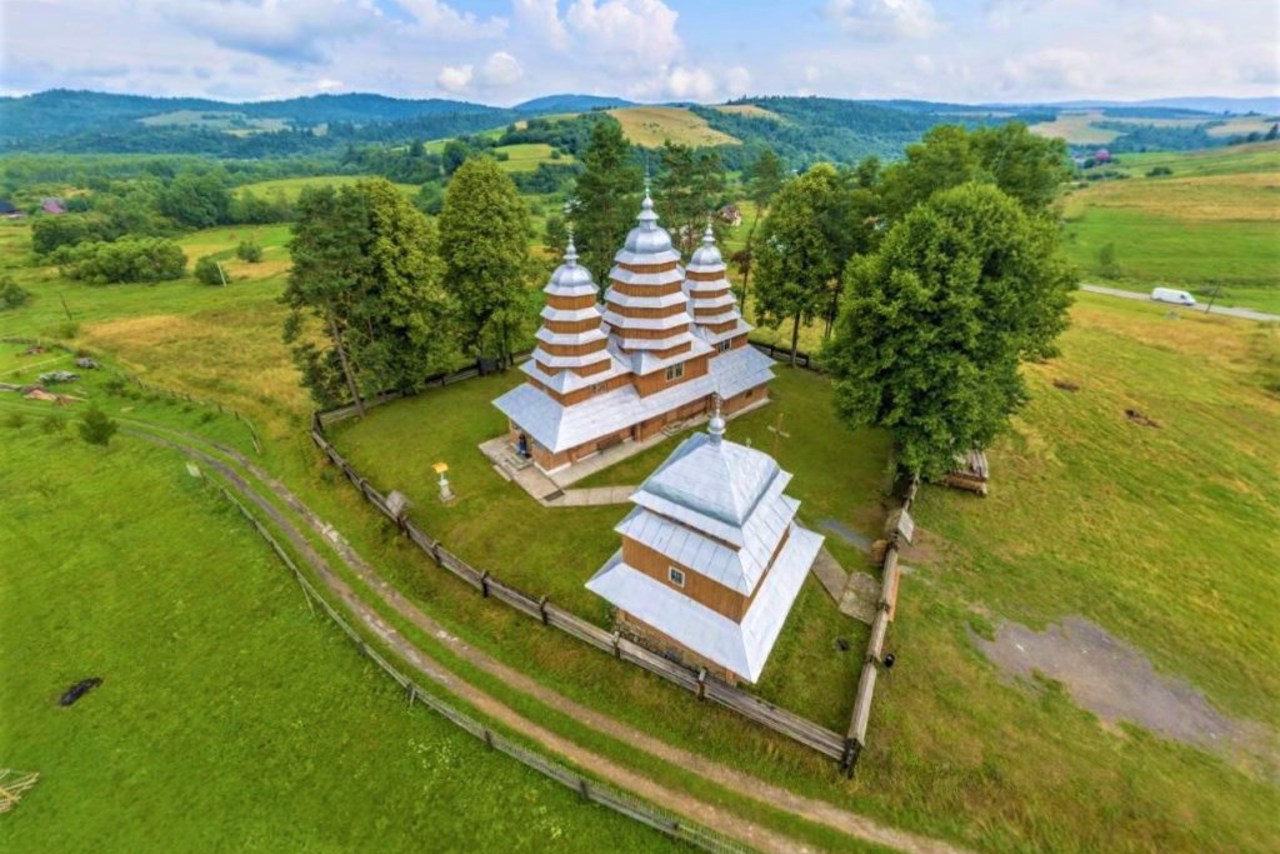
{"points": [[675, 576]]}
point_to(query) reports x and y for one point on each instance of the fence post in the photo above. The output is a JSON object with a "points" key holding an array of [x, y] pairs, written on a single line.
{"points": [[583, 789], [617, 651], [542, 608], [702, 683], [488, 738], [413, 693], [484, 583]]}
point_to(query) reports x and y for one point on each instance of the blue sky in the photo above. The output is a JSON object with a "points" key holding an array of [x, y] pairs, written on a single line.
{"points": [[505, 51]]}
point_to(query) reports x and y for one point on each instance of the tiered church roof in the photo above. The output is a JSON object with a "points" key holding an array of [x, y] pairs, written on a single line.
{"points": [[715, 508], [595, 369]]}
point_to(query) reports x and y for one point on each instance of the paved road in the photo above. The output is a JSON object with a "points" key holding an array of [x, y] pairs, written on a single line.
{"points": [[1246, 313]]}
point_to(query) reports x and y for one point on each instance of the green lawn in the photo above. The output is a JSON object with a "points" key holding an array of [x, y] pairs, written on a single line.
{"points": [[495, 525], [230, 716]]}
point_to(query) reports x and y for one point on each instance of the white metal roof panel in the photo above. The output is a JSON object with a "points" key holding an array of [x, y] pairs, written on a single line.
{"points": [[740, 647]]}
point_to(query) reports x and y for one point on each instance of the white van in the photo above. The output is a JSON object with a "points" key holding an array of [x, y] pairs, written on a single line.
{"points": [[1170, 295]]}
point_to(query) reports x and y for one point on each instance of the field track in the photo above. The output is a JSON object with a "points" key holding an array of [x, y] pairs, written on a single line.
{"points": [[239, 473]]}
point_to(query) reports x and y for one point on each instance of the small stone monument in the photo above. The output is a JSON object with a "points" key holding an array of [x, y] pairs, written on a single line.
{"points": [[446, 492]]}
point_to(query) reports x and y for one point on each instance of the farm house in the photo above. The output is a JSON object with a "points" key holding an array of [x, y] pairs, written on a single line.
{"points": [[664, 344], [712, 558]]}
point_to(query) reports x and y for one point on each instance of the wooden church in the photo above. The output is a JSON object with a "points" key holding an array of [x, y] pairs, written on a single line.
{"points": [[712, 558], [666, 342]]}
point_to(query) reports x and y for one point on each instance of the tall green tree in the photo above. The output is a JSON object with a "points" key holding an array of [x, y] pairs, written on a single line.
{"points": [[690, 183], [1027, 167], [803, 246], [484, 237], [366, 268], [764, 177], [936, 322], [196, 199], [606, 196]]}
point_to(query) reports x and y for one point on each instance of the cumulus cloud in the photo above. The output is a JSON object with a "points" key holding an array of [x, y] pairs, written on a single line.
{"points": [[289, 31], [501, 69], [626, 35], [883, 20], [441, 20]]}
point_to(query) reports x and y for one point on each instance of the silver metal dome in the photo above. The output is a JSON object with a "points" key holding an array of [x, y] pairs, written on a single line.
{"points": [[570, 274], [708, 253], [648, 237]]}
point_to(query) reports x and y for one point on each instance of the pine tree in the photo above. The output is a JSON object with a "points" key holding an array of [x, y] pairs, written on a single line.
{"points": [[606, 196]]}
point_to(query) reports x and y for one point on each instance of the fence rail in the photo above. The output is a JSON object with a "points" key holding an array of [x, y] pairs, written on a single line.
{"points": [[594, 791], [782, 721]]}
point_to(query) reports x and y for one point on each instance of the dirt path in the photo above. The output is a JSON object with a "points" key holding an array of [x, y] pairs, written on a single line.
{"points": [[738, 782]]}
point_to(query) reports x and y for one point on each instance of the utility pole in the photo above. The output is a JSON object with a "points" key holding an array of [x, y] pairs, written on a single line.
{"points": [[1216, 288]]}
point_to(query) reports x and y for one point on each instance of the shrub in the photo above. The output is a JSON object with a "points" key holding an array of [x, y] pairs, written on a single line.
{"points": [[144, 259], [1158, 171], [249, 251], [15, 420], [54, 423], [11, 294], [208, 271], [97, 428]]}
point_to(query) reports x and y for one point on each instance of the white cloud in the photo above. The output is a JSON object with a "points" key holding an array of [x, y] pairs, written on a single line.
{"points": [[1053, 70], [625, 35], [737, 80], [454, 78], [542, 19], [288, 31], [691, 84], [883, 20], [500, 70], [441, 20]]}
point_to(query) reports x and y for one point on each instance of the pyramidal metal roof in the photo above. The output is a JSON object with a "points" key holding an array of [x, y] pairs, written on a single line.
{"points": [[715, 478]]}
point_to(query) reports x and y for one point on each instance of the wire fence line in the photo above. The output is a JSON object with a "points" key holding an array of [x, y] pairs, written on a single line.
{"points": [[590, 790]]}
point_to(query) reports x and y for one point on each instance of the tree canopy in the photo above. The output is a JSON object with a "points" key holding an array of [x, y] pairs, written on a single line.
{"points": [[365, 265], [935, 323], [803, 246], [605, 196], [484, 242]]}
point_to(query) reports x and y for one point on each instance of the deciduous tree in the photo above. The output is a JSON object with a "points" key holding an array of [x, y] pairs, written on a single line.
{"points": [[366, 266], [936, 323], [484, 242], [764, 179]]}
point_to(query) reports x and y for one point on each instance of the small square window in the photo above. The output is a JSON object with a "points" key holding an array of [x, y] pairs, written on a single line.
{"points": [[675, 372], [676, 576], [725, 345]]}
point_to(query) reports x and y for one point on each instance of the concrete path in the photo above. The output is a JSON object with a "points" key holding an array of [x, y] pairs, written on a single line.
{"points": [[1245, 313], [859, 598], [831, 575], [597, 497]]}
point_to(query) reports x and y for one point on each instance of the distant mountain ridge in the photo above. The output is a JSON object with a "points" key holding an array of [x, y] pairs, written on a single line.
{"points": [[570, 104]]}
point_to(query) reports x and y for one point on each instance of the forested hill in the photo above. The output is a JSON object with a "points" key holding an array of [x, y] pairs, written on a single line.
{"points": [[64, 120], [808, 130]]}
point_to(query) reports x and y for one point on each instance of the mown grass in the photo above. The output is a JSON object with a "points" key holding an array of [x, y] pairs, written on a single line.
{"points": [[526, 156], [230, 716], [650, 127], [495, 525]]}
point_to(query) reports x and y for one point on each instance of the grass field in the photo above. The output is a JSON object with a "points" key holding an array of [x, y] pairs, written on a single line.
{"points": [[495, 525], [1163, 536], [751, 111], [1080, 128], [525, 157], [293, 187], [650, 127], [1216, 220], [230, 716]]}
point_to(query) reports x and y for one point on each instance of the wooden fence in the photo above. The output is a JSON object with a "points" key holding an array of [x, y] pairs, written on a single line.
{"points": [[885, 607], [698, 682], [803, 360], [590, 790]]}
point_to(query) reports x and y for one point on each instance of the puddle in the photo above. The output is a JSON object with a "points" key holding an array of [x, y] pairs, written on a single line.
{"points": [[1116, 682]]}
